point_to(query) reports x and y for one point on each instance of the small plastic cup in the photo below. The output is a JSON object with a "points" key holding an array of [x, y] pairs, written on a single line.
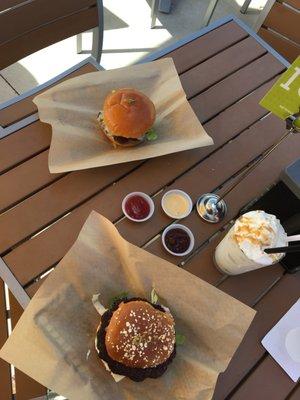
{"points": [[182, 193], [184, 228], [146, 197]]}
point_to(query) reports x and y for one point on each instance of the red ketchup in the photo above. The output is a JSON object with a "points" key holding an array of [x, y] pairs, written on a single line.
{"points": [[137, 207]]}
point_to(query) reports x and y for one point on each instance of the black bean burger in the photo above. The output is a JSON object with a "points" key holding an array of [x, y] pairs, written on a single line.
{"points": [[127, 117], [136, 339]]}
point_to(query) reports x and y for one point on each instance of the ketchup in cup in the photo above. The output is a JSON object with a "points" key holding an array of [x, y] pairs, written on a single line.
{"points": [[138, 206]]}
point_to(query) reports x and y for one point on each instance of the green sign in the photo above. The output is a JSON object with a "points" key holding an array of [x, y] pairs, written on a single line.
{"points": [[283, 99]]}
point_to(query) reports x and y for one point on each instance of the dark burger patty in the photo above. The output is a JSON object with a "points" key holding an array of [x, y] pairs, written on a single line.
{"points": [[136, 374], [124, 140]]}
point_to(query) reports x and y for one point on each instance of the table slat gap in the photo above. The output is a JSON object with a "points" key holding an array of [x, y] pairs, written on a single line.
{"points": [[270, 309], [70, 210], [235, 59], [228, 91], [41, 276], [245, 96], [295, 393], [193, 220], [13, 112], [209, 44], [249, 373], [32, 193], [216, 125], [4, 171], [24, 144], [233, 72], [267, 380], [66, 212], [253, 134], [214, 54]]}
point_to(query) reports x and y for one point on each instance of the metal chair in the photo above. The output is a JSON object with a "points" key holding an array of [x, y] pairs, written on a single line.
{"points": [[29, 26]]}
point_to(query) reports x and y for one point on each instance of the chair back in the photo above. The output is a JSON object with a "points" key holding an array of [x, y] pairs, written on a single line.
{"points": [[28, 26], [281, 28]]}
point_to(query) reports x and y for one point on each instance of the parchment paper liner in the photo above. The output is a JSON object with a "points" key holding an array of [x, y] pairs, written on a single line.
{"points": [[72, 107], [51, 340]]}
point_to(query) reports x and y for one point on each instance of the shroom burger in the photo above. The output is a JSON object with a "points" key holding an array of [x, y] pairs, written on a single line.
{"points": [[127, 117], [136, 339]]}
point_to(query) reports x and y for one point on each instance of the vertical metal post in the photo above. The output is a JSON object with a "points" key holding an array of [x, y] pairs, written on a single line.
{"points": [[154, 8], [245, 6], [79, 42], [209, 12]]}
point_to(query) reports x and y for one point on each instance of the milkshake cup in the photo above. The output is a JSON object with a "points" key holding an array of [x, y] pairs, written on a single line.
{"points": [[242, 249]]}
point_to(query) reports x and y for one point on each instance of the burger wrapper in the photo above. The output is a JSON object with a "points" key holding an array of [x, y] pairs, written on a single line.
{"points": [[54, 340], [72, 107]]}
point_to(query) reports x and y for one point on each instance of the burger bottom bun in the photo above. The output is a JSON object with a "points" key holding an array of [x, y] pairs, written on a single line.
{"points": [[135, 374]]}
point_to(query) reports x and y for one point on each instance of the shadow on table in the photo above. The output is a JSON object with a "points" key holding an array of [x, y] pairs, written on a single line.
{"points": [[19, 77]]}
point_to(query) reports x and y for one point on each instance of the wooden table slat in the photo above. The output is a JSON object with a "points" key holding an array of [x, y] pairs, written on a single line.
{"points": [[24, 144], [206, 46], [34, 287], [202, 76], [9, 3], [284, 20], [225, 73], [31, 259], [267, 381], [201, 264], [18, 222], [245, 287], [65, 194], [25, 179], [235, 86], [5, 378], [269, 310], [250, 188], [34, 179], [224, 127], [217, 167], [13, 23], [64, 202], [293, 3], [26, 107], [288, 49], [295, 394]]}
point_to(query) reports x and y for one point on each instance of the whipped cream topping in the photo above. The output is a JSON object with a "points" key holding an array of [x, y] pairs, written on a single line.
{"points": [[256, 231]]}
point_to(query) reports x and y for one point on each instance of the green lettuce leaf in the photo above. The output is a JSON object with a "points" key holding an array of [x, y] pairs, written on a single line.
{"points": [[180, 339], [151, 135], [120, 296], [154, 297]]}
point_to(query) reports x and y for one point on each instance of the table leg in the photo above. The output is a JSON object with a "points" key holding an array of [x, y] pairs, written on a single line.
{"points": [[245, 6], [79, 43], [154, 8], [209, 12]]}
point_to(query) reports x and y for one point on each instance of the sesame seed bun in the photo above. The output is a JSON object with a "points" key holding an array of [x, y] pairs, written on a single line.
{"points": [[135, 347], [128, 113]]}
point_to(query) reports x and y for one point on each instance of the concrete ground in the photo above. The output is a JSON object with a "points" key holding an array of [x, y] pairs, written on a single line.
{"points": [[127, 38]]}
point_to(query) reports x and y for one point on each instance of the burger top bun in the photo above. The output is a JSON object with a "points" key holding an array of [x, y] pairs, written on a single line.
{"points": [[139, 335], [128, 113]]}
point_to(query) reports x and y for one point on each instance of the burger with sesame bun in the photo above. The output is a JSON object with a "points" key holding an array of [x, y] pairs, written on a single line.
{"points": [[136, 339], [127, 118]]}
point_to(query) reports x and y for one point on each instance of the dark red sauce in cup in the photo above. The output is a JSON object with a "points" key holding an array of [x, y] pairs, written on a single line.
{"points": [[177, 240], [137, 207]]}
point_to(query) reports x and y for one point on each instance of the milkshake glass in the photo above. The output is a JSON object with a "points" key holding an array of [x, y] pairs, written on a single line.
{"points": [[242, 249]]}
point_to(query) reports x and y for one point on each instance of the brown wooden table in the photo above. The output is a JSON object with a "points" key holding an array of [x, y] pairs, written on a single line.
{"points": [[225, 70]]}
